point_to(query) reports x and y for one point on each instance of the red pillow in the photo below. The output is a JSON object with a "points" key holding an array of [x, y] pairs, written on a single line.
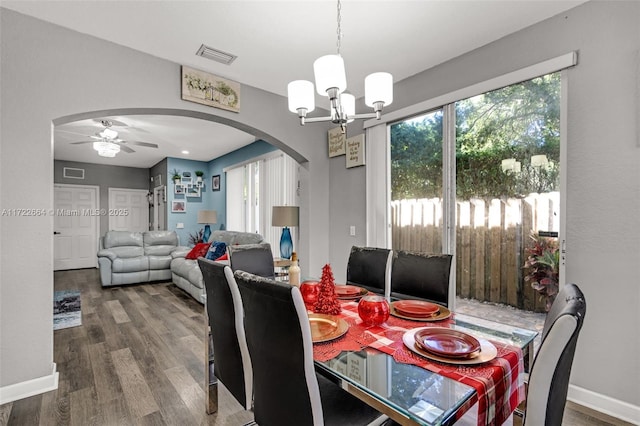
{"points": [[223, 257], [200, 250]]}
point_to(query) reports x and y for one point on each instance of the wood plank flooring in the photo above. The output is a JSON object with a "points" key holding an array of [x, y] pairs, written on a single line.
{"points": [[138, 359]]}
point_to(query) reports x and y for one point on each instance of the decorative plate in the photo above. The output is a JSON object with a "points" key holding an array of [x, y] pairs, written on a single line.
{"points": [[350, 291], [326, 327], [487, 351], [447, 342], [416, 308], [444, 313]]}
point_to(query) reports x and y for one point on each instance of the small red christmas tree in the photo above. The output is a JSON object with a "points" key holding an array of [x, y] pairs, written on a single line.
{"points": [[327, 301]]}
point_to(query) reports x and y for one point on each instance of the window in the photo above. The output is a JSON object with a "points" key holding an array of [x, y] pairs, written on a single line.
{"points": [[253, 188]]}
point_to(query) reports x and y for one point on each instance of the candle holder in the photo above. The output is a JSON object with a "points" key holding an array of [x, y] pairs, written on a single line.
{"points": [[310, 290], [373, 310]]}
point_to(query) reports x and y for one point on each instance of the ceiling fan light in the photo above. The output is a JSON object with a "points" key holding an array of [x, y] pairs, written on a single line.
{"points": [[329, 73], [106, 149], [300, 94], [378, 87], [109, 134]]}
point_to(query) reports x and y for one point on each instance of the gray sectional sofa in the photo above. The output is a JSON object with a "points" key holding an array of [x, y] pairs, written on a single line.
{"points": [[186, 274], [136, 257]]}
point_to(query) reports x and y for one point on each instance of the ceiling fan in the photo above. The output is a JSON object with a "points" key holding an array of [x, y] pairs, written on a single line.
{"points": [[108, 144]]}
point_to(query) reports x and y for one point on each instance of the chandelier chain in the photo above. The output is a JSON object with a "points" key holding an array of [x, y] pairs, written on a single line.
{"points": [[339, 30]]}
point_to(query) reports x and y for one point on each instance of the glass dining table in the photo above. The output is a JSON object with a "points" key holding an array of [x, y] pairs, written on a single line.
{"points": [[411, 394]]}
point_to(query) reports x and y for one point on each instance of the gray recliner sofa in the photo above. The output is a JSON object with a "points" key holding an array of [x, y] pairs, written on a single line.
{"points": [[186, 274], [136, 257]]}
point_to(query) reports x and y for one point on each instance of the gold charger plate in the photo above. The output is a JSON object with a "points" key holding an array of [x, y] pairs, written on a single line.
{"points": [[487, 351], [326, 327], [444, 313]]}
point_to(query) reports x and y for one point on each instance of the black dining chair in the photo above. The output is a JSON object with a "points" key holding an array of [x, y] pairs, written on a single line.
{"points": [[253, 258], [287, 390], [370, 267], [231, 360], [421, 275], [549, 377]]}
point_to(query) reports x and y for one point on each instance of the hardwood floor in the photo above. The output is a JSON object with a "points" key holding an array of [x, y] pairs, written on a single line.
{"points": [[138, 359]]}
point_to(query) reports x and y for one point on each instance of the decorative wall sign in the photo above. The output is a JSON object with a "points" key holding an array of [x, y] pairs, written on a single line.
{"points": [[336, 142], [355, 151], [208, 89]]}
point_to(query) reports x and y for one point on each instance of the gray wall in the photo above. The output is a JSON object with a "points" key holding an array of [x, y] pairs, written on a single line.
{"points": [[602, 172], [105, 177], [51, 75]]}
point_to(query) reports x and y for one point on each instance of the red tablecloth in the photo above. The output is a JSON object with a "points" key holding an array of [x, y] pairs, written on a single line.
{"points": [[498, 383]]}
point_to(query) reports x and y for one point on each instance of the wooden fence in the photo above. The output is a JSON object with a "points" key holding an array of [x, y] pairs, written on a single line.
{"points": [[491, 236]]}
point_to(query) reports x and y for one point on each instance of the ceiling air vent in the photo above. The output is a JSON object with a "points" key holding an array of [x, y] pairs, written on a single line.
{"points": [[216, 55]]}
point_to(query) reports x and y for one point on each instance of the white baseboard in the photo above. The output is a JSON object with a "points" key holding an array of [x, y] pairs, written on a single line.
{"points": [[604, 404], [30, 387]]}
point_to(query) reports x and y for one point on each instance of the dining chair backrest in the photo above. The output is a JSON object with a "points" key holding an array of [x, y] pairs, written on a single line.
{"points": [[286, 390], [549, 377], [421, 275], [256, 259], [370, 267], [232, 363]]}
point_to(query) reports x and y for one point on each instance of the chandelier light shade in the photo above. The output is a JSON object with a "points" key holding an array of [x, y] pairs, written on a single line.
{"points": [[331, 81], [301, 96]]}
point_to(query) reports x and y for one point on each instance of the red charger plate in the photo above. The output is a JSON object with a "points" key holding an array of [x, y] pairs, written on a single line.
{"points": [[416, 308], [447, 342]]}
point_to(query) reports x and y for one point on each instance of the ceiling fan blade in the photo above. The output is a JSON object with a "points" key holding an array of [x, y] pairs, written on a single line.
{"points": [[81, 142], [126, 148], [147, 144]]}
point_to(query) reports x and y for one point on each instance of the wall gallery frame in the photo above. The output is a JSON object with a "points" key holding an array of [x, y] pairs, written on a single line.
{"points": [[215, 183], [336, 141], [355, 151], [178, 189], [208, 89], [178, 206]]}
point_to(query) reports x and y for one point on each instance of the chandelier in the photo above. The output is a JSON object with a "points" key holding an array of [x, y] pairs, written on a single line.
{"points": [[331, 81]]}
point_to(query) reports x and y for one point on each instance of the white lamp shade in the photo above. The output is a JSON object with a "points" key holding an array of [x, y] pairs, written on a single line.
{"points": [[329, 73], [378, 87], [301, 95], [285, 216], [348, 102], [207, 216]]}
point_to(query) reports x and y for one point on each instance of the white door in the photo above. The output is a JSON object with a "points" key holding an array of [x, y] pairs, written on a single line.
{"points": [[160, 208], [75, 226], [128, 210]]}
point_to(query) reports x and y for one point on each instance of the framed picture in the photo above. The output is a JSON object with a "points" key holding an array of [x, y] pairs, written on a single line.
{"points": [[208, 89], [186, 180], [192, 191], [355, 151], [178, 189], [215, 183], [335, 139], [178, 206]]}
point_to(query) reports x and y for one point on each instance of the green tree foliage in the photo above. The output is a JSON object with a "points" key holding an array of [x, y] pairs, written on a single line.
{"points": [[517, 121]]}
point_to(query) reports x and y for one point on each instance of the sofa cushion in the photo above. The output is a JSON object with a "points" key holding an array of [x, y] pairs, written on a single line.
{"points": [[159, 262], [122, 238], [217, 249], [132, 264], [200, 250]]}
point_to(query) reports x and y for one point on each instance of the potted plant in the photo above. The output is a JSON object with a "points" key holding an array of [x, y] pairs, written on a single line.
{"points": [[542, 267], [199, 174], [176, 176]]}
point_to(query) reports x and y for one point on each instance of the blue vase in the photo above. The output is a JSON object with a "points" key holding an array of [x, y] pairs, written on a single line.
{"points": [[206, 234], [286, 245]]}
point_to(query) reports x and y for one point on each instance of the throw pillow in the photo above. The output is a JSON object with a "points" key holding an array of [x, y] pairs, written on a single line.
{"points": [[223, 257], [199, 250], [217, 249]]}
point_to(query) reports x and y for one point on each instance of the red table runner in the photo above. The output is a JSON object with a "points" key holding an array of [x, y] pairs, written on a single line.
{"points": [[498, 383]]}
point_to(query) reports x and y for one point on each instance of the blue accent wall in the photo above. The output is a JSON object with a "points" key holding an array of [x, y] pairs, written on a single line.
{"points": [[209, 199]]}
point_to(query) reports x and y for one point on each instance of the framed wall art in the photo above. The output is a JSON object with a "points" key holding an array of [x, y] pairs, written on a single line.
{"points": [[215, 183], [208, 89], [355, 151], [336, 141], [178, 206]]}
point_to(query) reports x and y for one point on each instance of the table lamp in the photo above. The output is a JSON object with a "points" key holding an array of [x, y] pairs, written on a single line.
{"points": [[285, 216], [207, 217]]}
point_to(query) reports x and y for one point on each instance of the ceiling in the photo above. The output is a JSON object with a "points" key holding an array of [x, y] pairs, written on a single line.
{"points": [[276, 42]]}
